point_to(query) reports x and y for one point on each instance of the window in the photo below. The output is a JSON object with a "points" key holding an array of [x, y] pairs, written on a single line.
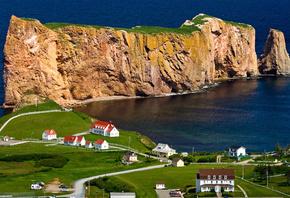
{"points": [[208, 177], [214, 177], [220, 177], [225, 177]]}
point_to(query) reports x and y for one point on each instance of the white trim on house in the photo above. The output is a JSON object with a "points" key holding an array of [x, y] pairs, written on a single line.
{"points": [[163, 150]]}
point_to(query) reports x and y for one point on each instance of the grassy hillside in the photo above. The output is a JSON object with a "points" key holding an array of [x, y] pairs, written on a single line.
{"points": [[48, 105], [176, 178], [64, 123]]}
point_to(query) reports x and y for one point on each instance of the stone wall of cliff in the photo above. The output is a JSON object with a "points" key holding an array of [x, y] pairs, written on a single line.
{"points": [[275, 58], [77, 63]]}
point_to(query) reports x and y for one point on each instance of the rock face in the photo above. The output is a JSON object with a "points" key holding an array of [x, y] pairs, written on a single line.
{"points": [[28, 99], [275, 59], [77, 63]]}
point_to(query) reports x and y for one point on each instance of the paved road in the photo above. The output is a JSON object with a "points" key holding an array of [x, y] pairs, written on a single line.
{"points": [[245, 194], [79, 184]]}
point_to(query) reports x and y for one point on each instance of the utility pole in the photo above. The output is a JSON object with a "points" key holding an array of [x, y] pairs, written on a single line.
{"points": [[89, 187], [36, 99], [267, 176], [129, 141], [192, 151], [242, 171]]}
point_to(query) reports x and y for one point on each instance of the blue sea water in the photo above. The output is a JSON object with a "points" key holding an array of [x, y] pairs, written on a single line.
{"points": [[261, 14]]}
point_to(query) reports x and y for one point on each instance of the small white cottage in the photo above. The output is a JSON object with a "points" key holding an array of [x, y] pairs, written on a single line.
{"points": [[74, 140], [101, 144], [160, 185], [236, 151], [163, 150], [89, 145], [6, 138], [49, 135]]}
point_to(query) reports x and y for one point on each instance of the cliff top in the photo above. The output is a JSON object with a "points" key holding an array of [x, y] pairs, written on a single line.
{"points": [[187, 27]]}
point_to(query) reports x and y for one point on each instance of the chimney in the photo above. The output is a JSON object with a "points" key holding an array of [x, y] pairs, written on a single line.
{"points": [[110, 123]]}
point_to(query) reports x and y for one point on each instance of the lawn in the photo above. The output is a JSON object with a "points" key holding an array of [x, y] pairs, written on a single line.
{"points": [[68, 123], [174, 178], [83, 163], [254, 191]]}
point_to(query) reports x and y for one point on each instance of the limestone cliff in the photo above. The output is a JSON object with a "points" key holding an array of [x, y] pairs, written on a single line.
{"points": [[275, 58], [77, 63]]}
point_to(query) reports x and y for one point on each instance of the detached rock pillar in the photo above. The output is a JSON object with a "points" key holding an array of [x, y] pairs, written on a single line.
{"points": [[275, 58]]}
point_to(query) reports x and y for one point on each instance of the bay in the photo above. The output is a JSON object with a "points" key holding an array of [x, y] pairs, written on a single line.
{"points": [[253, 113]]}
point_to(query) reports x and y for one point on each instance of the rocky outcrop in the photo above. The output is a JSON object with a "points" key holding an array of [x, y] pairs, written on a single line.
{"points": [[275, 58], [29, 99], [77, 63]]}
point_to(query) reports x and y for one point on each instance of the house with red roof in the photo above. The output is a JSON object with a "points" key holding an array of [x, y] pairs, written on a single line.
{"points": [[49, 135], [104, 129], [6, 138], [74, 140], [208, 179], [89, 145], [160, 185], [101, 144]]}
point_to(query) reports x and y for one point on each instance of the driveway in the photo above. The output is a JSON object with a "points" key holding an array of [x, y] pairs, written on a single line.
{"points": [[164, 193]]}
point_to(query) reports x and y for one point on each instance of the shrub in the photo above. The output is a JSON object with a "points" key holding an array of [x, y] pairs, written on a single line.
{"points": [[112, 184]]}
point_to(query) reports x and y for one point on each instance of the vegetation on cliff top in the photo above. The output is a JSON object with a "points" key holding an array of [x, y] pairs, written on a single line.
{"points": [[185, 29]]}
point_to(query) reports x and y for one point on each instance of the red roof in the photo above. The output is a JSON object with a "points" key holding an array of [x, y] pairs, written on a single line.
{"points": [[160, 182], [88, 143], [110, 128], [204, 173], [50, 132], [70, 138], [80, 138], [103, 125], [99, 141]]}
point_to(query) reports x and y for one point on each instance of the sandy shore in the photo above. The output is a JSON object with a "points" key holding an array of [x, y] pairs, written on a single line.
{"points": [[74, 103]]}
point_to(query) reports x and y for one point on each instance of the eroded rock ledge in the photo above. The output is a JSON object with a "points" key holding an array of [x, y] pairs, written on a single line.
{"points": [[77, 63]]}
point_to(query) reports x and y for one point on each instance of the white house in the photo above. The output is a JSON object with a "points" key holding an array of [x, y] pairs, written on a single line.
{"points": [[160, 185], [177, 162], [130, 157], [184, 154], [49, 135], [81, 141], [6, 138], [89, 145], [101, 144], [236, 151], [104, 129], [122, 195], [207, 179], [74, 140], [163, 150]]}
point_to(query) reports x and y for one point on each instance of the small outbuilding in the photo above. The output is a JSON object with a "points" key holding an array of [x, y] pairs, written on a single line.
{"points": [[89, 145], [177, 162], [160, 185], [6, 138], [101, 144]]}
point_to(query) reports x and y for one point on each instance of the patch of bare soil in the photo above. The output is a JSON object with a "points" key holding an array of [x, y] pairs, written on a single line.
{"points": [[53, 187]]}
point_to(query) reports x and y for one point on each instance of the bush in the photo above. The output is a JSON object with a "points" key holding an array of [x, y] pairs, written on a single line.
{"points": [[41, 159], [112, 184]]}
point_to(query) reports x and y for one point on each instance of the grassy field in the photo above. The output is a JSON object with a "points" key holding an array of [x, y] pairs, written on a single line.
{"points": [[83, 163], [68, 123], [48, 105], [176, 178]]}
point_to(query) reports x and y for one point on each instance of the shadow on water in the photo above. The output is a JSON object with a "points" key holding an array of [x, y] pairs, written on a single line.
{"points": [[252, 113]]}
